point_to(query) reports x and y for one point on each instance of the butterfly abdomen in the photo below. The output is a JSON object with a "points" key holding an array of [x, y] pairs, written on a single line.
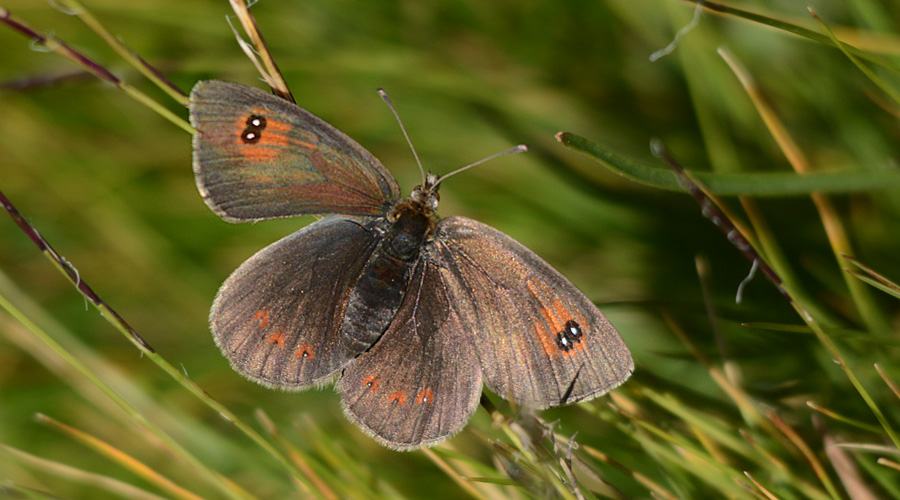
{"points": [[374, 300], [380, 289]]}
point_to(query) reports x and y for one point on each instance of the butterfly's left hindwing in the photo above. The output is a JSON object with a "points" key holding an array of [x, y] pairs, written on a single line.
{"points": [[421, 381], [258, 156], [277, 318], [539, 340]]}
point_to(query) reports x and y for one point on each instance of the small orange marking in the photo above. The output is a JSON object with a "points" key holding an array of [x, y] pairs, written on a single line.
{"points": [[262, 316], [426, 396], [304, 351], [398, 398], [371, 382], [276, 339]]}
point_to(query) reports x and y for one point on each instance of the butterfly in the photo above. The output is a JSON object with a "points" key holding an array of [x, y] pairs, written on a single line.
{"points": [[411, 313]]}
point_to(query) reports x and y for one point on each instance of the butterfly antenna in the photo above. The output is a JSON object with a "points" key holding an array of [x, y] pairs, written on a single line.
{"points": [[387, 100], [521, 148]]}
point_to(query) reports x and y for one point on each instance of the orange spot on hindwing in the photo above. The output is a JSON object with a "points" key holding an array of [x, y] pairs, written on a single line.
{"points": [[425, 396], [262, 318], [371, 382], [397, 398], [276, 339], [304, 351]]}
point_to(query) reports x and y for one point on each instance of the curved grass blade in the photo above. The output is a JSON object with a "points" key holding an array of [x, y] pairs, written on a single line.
{"points": [[785, 26], [842, 418], [54, 44], [62, 471], [774, 184], [722, 220], [846, 49], [116, 455], [149, 72], [872, 277], [838, 235]]}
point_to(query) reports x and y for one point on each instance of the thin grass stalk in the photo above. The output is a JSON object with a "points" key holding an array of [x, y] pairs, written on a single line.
{"points": [[56, 45], [122, 458], [211, 476], [67, 472], [834, 228], [84, 15], [119, 324]]}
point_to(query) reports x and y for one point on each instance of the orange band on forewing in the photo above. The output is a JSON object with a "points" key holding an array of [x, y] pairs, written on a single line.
{"points": [[548, 342], [555, 317], [274, 139]]}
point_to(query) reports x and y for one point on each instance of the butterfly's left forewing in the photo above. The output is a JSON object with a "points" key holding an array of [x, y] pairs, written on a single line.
{"points": [[540, 341], [258, 156]]}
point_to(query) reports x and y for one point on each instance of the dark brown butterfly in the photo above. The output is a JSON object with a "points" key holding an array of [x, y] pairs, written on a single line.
{"points": [[414, 313]]}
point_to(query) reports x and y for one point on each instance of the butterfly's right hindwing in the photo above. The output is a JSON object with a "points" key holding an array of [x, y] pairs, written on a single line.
{"points": [[420, 383]]}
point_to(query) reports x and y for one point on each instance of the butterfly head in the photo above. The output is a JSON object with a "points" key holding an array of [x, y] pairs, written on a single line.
{"points": [[426, 195]]}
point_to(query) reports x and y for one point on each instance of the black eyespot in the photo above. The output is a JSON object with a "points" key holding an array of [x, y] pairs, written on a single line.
{"points": [[256, 121], [563, 342], [253, 131], [573, 330], [570, 335]]}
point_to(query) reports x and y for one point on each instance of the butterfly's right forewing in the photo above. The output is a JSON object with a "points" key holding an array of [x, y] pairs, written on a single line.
{"points": [[540, 341], [278, 316]]}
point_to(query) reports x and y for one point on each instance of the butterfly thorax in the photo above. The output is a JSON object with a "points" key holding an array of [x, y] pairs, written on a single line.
{"points": [[413, 220]]}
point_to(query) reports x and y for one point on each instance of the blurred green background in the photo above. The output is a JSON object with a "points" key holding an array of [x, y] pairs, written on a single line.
{"points": [[109, 183]]}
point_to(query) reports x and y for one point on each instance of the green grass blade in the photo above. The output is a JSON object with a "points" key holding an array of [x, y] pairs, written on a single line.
{"points": [[737, 184]]}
